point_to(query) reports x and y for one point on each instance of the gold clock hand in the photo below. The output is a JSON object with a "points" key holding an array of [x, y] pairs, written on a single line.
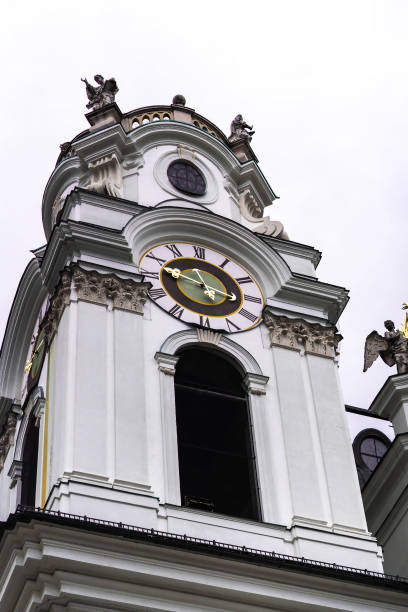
{"points": [[208, 291], [231, 296], [176, 273]]}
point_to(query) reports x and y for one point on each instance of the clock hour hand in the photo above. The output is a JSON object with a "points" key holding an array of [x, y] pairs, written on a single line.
{"points": [[208, 290]]}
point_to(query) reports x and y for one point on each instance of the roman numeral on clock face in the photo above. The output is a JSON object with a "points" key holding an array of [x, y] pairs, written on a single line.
{"points": [[204, 321], [159, 260], [224, 263], [175, 251], [248, 315], [231, 326], [176, 311], [199, 252], [244, 279], [149, 274], [156, 294], [252, 298]]}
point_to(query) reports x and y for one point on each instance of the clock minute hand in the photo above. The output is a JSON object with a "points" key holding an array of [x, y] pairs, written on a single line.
{"points": [[231, 296], [208, 290]]}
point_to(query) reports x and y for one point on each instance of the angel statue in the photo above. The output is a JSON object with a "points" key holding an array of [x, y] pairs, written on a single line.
{"points": [[103, 94], [239, 130], [393, 348]]}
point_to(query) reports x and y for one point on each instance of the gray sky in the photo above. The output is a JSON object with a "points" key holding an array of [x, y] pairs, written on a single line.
{"points": [[324, 83]]}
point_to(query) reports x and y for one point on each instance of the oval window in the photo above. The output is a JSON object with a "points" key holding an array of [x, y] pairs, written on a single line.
{"points": [[186, 177]]}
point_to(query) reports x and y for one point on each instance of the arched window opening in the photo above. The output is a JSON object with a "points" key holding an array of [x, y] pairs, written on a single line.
{"points": [[369, 448], [30, 456], [215, 447]]}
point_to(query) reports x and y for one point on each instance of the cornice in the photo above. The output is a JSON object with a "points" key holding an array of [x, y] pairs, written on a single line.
{"points": [[80, 196], [391, 396], [295, 249], [311, 294], [72, 241], [67, 172]]}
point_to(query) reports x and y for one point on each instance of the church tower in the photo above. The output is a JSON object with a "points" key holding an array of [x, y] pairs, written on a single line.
{"points": [[169, 379]]}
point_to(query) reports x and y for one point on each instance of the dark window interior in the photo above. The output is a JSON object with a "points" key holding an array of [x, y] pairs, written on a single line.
{"points": [[369, 447], [30, 454], [216, 456]]}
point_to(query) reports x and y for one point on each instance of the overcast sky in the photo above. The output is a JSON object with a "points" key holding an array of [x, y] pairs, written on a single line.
{"points": [[325, 84]]}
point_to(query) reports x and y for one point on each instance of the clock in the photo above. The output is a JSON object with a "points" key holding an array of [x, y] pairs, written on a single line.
{"points": [[34, 364], [35, 356], [201, 286]]}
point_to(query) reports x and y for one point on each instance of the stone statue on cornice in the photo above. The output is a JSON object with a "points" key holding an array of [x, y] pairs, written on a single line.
{"points": [[103, 94], [392, 348], [240, 130]]}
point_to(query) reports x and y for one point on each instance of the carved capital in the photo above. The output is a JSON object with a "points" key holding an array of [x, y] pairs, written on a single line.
{"points": [[123, 293], [295, 334], [106, 176], [92, 286], [7, 437]]}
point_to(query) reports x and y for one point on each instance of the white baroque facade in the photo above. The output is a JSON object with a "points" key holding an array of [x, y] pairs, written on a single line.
{"points": [[94, 440]]}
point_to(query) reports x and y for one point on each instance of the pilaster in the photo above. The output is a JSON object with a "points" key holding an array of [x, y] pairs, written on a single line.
{"points": [[167, 368]]}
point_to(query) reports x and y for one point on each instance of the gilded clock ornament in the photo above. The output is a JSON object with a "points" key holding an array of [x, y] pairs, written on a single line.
{"points": [[202, 286]]}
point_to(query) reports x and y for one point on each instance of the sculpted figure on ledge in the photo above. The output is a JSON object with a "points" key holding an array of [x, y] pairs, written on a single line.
{"points": [[101, 95], [392, 347], [240, 130]]}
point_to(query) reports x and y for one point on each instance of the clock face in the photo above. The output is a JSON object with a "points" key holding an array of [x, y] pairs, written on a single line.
{"points": [[36, 361], [35, 356], [201, 286]]}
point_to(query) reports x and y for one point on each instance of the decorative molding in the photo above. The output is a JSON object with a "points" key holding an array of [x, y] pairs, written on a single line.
{"points": [[249, 206], [256, 383], [124, 293], [106, 176], [15, 472], [189, 336], [60, 299], [252, 211], [92, 286], [186, 152], [167, 363], [271, 228], [295, 334], [7, 436], [208, 336]]}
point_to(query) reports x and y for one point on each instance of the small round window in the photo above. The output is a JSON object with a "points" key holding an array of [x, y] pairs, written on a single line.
{"points": [[186, 177]]}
